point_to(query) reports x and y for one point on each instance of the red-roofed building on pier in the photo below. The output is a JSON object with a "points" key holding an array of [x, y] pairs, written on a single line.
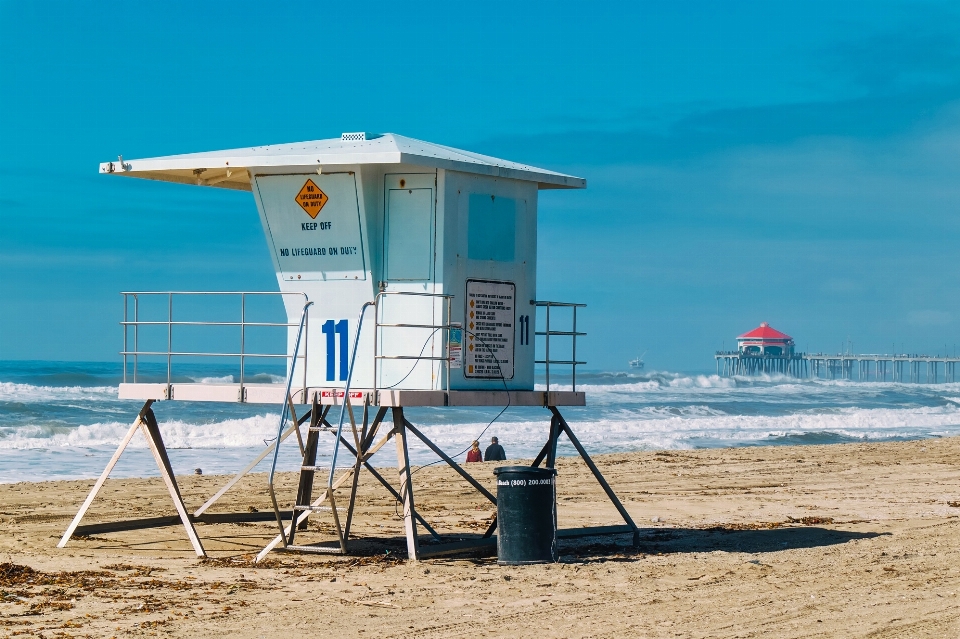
{"points": [[764, 350], [765, 341]]}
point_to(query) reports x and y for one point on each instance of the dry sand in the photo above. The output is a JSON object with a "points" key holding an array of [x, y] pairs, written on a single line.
{"points": [[819, 541]]}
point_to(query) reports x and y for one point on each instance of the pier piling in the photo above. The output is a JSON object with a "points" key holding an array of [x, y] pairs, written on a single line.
{"points": [[915, 369]]}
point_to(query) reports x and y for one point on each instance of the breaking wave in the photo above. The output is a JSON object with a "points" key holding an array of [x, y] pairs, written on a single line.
{"points": [[66, 423], [231, 433]]}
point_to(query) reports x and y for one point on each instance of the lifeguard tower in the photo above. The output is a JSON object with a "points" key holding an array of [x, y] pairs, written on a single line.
{"points": [[408, 274]]}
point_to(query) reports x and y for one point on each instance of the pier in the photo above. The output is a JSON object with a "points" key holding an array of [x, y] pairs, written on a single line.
{"points": [[767, 351], [915, 368]]}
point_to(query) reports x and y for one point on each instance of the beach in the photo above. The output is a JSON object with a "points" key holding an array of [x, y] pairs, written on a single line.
{"points": [[851, 540]]}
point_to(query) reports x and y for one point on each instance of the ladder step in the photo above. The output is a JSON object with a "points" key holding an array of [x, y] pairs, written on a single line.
{"points": [[312, 508], [326, 550]]}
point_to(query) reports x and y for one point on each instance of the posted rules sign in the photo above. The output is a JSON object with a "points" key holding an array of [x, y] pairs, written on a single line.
{"points": [[490, 316]]}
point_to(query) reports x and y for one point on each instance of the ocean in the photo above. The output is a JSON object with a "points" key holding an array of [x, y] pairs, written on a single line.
{"points": [[62, 420]]}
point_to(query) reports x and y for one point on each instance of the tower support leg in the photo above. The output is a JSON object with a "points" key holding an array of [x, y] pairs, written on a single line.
{"points": [[406, 485], [146, 422], [103, 476], [562, 426]]}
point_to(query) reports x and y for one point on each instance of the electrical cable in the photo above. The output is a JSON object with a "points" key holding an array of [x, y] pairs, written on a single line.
{"points": [[477, 438], [422, 348]]}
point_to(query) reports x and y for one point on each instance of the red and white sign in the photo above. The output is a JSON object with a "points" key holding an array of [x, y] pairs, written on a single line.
{"points": [[330, 394]]}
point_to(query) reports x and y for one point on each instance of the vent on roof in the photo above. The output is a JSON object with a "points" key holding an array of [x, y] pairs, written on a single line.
{"points": [[353, 137]]}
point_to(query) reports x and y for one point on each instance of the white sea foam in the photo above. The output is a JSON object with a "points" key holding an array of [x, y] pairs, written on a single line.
{"points": [[226, 379], [230, 433], [50, 431], [649, 429], [29, 393]]}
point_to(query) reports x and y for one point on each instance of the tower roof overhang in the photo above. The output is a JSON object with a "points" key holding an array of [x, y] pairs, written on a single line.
{"points": [[231, 168]]}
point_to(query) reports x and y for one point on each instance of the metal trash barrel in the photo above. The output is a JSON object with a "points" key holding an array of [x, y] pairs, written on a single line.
{"points": [[526, 515]]}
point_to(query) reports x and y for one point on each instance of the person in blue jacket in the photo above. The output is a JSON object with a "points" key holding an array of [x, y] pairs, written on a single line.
{"points": [[494, 451]]}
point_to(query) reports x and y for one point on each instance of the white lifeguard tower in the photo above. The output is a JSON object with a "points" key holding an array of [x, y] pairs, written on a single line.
{"points": [[408, 273]]}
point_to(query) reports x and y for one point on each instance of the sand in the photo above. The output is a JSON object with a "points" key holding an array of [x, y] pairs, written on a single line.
{"points": [[817, 541]]}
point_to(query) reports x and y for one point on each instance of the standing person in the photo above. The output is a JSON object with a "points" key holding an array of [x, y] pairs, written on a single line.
{"points": [[474, 454], [494, 451]]}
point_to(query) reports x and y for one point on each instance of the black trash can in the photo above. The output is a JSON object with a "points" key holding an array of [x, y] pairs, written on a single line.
{"points": [[526, 515]]}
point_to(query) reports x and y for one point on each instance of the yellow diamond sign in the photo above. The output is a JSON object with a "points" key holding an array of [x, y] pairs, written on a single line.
{"points": [[311, 199]]}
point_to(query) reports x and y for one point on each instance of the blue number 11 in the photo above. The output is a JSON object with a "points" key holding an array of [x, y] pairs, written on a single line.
{"points": [[331, 330]]}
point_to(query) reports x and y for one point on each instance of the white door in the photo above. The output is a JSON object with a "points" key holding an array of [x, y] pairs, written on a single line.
{"points": [[409, 259]]}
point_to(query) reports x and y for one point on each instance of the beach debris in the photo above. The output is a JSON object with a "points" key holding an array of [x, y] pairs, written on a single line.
{"points": [[197, 471], [15, 574], [810, 521], [377, 604], [770, 525], [11, 574], [655, 519], [953, 504], [752, 525], [140, 571], [374, 560]]}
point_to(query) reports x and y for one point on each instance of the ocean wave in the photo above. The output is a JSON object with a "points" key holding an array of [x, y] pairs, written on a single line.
{"points": [[652, 431], [767, 390], [625, 411], [28, 393], [247, 432], [654, 382], [226, 379], [265, 378], [87, 447]]}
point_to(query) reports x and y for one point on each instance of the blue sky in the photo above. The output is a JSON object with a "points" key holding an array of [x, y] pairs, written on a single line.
{"points": [[791, 163]]}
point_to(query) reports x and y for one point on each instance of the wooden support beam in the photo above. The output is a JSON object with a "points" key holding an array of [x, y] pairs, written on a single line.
{"points": [[151, 430], [450, 462], [259, 458], [391, 490], [597, 474], [103, 476], [359, 438], [406, 484]]}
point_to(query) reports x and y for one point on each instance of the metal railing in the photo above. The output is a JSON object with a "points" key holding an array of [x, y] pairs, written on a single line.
{"points": [[284, 412], [444, 326], [548, 333], [169, 322], [346, 397]]}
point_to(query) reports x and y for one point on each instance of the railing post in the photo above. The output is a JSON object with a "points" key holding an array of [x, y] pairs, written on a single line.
{"points": [[306, 344], [169, 339], [547, 347], [136, 335], [449, 323], [125, 349], [243, 336], [574, 358], [376, 340]]}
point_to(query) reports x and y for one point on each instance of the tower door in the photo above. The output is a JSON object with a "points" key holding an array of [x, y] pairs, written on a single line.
{"points": [[409, 228], [409, 266]]}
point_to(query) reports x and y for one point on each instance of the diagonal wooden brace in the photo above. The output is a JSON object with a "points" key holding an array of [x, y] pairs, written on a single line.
{"points": [[596, 473], [146, 422], [103, 476]]}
